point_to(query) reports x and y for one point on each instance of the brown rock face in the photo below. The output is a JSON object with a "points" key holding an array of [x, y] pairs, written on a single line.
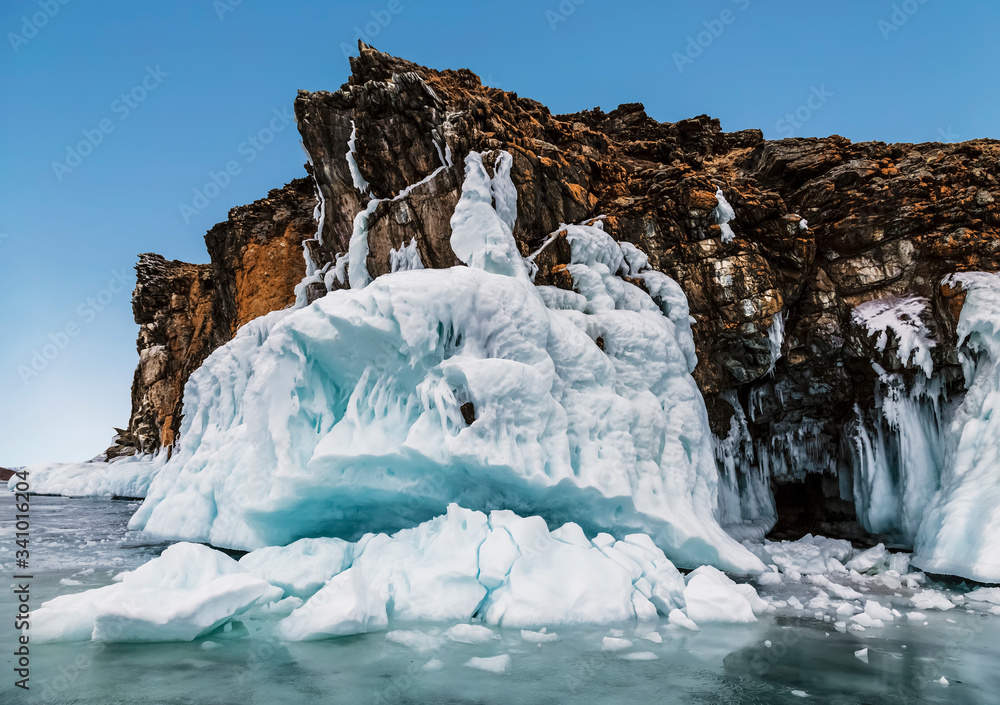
{"points": [[185, 311], [172, 304], [257, 255], [821, 226]]}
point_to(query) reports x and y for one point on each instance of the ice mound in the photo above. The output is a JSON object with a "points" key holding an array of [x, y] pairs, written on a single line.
{"points": [[809, 555], [504, 569], [127, 477], [187, 592], [301, 568], [500, 569], [960, 530], [711, 596], [374, 408]]}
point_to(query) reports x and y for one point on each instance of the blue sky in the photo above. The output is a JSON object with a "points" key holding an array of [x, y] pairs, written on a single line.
{"points": [[162, 94]]}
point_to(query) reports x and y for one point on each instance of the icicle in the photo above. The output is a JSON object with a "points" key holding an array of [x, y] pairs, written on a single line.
{"points": [[359, 181], [724, 215], [775, 339], [405, 258]]}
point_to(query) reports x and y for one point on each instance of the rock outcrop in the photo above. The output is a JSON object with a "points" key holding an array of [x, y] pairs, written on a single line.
{"points": [[822, 225]]}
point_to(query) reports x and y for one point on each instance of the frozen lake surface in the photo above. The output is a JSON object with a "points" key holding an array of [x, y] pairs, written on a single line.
{"points": [[78, 544]]}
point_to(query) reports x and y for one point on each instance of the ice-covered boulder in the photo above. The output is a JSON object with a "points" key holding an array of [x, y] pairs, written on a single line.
{"points": [[187, 592], [372, 409]]}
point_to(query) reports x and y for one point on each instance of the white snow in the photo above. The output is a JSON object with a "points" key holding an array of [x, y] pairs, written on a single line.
{"points": [[405, 258], [352, 163], [421, 642], [902, 317], [127, 477], [301, 568], [931, 600], [711, 596], [613, 643], [471, 634], [540, 637]]}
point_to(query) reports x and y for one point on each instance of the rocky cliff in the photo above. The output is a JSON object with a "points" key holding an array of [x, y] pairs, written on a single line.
{"points": [[821, 226]]}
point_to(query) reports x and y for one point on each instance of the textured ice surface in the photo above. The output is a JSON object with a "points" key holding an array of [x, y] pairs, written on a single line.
{"points": [[128, 477], [301, 568], [185, 593], [754, 662], [373, 409], [960, 530]]}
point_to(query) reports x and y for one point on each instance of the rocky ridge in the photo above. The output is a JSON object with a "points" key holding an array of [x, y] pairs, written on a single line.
{"points": [[822, 225]]}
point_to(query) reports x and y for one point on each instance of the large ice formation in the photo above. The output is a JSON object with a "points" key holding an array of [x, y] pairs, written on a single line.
{"points": [[960, 530], [374, 408]]}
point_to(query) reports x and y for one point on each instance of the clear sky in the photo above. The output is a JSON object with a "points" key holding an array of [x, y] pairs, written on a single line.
{"points": [[161, 94]]}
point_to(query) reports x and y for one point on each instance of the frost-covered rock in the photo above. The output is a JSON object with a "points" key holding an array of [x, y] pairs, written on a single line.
{"points": [[187, 592]]}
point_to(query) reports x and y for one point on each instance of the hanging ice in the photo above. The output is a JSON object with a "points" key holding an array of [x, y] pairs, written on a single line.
{"points": [[724, 215], [480, 237], [775, 339], [405, 258], [372, 409], [960, 530], [352, 162]]}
